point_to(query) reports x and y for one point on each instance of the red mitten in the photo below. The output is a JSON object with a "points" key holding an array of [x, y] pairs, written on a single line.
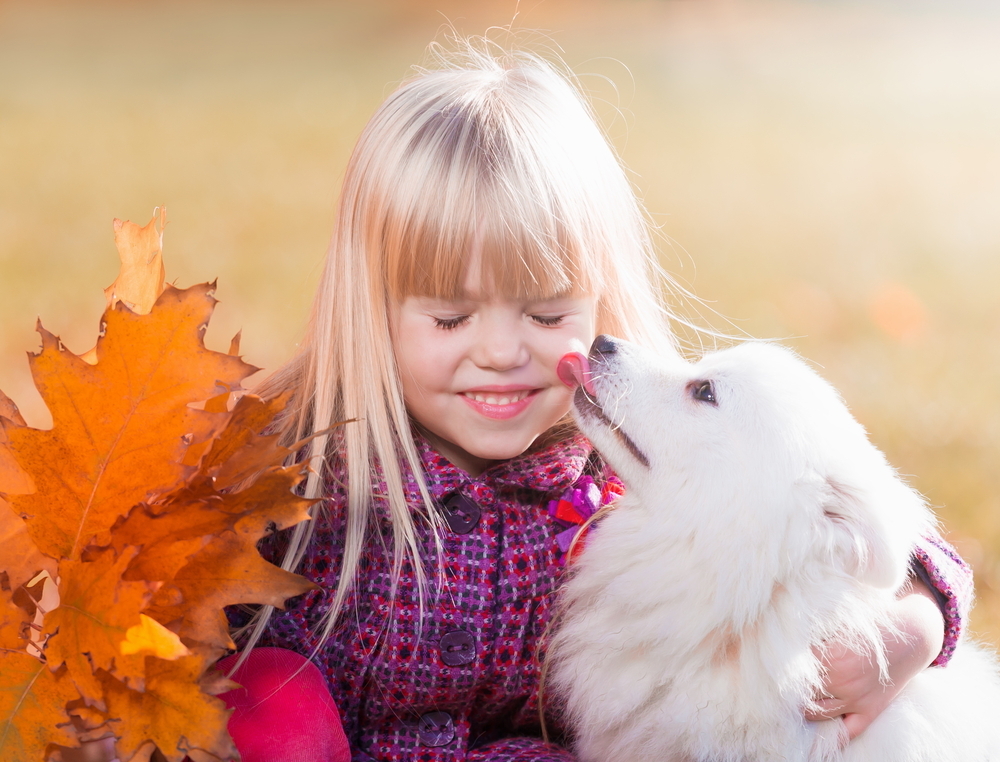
{"points": [[283, 711]]}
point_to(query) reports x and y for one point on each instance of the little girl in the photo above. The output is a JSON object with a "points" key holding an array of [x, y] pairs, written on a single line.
{"points": [[485, 228]]}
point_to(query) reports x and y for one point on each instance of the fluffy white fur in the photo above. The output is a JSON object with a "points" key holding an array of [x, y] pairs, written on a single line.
{"points": [[752, 530]]}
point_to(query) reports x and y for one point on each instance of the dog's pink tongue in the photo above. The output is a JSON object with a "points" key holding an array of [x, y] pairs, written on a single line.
{"points": [[574, 370]]}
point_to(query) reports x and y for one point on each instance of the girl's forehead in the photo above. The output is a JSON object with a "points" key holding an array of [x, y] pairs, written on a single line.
{"points": [[488, 290], [473, 299]]}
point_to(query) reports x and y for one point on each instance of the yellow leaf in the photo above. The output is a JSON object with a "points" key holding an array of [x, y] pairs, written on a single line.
{"points": [[151, 638]]}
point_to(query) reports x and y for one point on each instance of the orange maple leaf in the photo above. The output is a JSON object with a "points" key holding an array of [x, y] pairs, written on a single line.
{"points": [[120, 427], [32, 697], [32, 701], [21, 558]]}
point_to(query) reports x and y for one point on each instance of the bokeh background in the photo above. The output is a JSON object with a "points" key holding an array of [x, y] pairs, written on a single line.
{"points": [[824, 173]]}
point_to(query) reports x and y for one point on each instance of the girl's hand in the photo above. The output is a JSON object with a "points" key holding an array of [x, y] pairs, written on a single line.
{"points": [[852, 687]]}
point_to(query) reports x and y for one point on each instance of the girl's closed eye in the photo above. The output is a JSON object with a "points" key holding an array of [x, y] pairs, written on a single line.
{"points": [[549, 320], [451, 323]]}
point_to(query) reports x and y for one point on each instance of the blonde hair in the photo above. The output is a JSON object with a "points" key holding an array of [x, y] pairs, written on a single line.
{"points": [[492, 151]]}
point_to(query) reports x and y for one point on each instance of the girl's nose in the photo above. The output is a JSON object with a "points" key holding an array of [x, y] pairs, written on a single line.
{"points": [[500, 347]]}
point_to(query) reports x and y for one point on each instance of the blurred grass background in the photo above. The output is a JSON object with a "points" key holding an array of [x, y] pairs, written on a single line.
{"points": [[826, 173]]}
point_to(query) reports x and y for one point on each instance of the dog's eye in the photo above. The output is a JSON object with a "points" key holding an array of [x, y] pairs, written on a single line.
{"points": [[703, 391]]}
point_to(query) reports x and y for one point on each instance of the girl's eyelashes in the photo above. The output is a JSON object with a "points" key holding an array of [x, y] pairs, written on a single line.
{"points": [[450, 323], [549, 320]]}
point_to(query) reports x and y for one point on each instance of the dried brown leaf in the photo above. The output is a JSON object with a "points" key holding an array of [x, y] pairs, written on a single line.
{"points": [[140, 280], [21, 558], [172, 712], [9, 410], [13, 620], [241, 451], [227, 571], [96, 608], [14, 480]]}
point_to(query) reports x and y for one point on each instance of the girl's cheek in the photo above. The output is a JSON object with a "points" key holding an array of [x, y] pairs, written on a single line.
{"points": [[577, 344]]}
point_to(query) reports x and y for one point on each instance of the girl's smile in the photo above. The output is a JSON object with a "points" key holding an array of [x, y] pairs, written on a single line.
{"points": [[499, 402], [479, 373]]}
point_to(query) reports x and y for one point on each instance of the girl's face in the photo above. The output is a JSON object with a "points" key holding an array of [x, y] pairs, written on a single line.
{"points": [[479, 373]]}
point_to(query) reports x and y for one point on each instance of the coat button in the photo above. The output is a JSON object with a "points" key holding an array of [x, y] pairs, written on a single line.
{"points": [[461, 513], [457, 648], [436, 729]]}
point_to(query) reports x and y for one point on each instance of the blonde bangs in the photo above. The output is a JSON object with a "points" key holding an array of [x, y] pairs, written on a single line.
{"points": [[516, 258], [470, 190]]}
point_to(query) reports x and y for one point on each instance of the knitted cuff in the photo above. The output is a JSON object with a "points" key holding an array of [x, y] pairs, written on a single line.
{"points": [[950, 579]]}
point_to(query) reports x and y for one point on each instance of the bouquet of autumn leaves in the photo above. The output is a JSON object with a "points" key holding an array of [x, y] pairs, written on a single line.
{"points": [[127, 527]]}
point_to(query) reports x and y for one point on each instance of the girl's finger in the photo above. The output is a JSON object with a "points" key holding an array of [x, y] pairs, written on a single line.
{"points": [[825, 709], [856, 723]]}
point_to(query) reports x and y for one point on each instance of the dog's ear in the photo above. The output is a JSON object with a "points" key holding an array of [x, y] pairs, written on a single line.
{"points": [[871, 533]]}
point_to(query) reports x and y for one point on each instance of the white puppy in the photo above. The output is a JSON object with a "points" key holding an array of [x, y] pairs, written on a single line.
{"points": [[758, 522]]}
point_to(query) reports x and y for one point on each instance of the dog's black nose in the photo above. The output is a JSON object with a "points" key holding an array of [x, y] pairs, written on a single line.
{"points": [[603, 345]]}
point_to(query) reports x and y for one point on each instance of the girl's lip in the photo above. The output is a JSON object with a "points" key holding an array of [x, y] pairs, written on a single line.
{"points": [[496, 410], [500, 388]]}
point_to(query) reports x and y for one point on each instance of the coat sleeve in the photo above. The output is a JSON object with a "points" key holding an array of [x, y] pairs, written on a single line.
{"points": [[938, 564]]}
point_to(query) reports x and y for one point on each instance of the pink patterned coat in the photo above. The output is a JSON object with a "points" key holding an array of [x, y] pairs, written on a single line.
{"points": [[466, 689]]}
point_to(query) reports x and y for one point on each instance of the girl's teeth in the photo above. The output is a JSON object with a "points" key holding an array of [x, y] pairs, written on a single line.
{"points": [[498, 400]]}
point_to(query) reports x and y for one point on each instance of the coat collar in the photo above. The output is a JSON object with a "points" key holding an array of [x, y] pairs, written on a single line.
{"points": [[551, 468]]}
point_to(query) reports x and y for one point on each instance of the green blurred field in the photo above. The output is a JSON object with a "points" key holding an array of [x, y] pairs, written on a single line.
{"points": [[824, 173]]}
